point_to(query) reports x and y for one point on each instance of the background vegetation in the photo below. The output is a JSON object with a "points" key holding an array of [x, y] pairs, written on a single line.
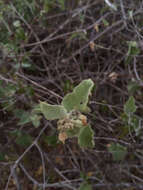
{"points": [[47, 47]]}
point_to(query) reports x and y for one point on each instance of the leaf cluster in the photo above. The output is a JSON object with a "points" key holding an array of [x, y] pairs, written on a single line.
{"points": [[71, 123]]}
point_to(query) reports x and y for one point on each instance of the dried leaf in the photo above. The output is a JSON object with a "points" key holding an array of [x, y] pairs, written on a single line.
{"points": [[96, 27], [62, 137], [92, 46], [113, 76]]}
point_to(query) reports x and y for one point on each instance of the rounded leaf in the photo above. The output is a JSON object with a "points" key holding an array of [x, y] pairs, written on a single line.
{"points": [[118, 151], [52, 112], [130, 107], [85, 138], [78, 99]]}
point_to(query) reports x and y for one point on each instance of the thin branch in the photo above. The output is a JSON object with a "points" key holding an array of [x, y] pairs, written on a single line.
{"points": [[43, 165], [24, 153]]}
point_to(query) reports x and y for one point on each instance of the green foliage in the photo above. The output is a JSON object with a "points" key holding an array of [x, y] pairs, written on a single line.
{"points": [[105, 22], [118, 151], [133, 87], [48, 5], [10, 49], [131, 121], [80, 95], [130, 107], [71, 125], [16, 23], [25, 8], [73, 132], [133, 50], [71, 122], [52, 112], [51, 140], [20, 35], [67, 86], [62, 4], [7, 93], [35, 119], [85, 186], [136, 125], [36, 109], [2, 157], [131, 124], [22, 138], [79, 35], [23, 116], [27, 117], [86, 133]]}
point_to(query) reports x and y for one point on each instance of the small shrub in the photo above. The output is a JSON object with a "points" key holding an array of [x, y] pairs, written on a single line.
{"points": [[71, 121]]}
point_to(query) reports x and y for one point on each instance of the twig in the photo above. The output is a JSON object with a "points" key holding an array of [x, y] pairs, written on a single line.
{"points": [[97, 37], [123, 12], [24, 153], [7, 80], [54, 167], [60, 184], [43, 165], [38, 85]]}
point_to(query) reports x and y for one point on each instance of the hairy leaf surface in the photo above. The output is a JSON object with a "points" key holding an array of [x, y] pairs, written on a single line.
{"points": [[52, 112], [78, 99]]}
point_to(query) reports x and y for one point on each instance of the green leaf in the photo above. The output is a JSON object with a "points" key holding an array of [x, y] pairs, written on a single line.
{"points": [[7, 90], [85, 138], [130, 106], [62, 4], [105, 22], [132, 124], [85, 186], [8, 104], [133, 49], [73, 132], [51, 140], [24, 118], [136, 125], [16, 23], [24, 139], [18, 113], [118, 151], [68, 86], [52, 112], [35, 119], [36, 109], [79, 35], [48, 5], [2, 157], [133, 86], [84, 176], [78, 99]]}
